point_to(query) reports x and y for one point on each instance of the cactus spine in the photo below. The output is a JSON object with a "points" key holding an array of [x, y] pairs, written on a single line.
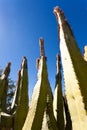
{"points": [[75, 69]]}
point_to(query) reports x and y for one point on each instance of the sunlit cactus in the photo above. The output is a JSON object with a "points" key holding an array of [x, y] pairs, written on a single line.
{"points": [[75, 70], [22, 101], [58, 97], [38, 104], [67, 109]]}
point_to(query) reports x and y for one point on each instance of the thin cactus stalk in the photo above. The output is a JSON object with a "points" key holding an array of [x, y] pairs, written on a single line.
{"points": [[58, 98], [75, 70], [22, 107]]}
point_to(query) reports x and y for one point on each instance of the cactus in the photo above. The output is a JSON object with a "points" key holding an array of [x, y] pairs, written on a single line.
{"points": [[58, 98], [38, 103], [46, 112], [75, 69], [22, 107], [6, 120], [68, 122]]}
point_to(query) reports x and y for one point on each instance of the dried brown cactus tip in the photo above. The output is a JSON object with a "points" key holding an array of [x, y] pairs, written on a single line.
{"points": [[57, 10], [58, 57], [41, 41], [19, 72]]}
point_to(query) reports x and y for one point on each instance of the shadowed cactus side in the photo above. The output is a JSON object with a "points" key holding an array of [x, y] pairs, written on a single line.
{"points": [[75, 70], [58, 97], [68, 122], [5, 119]]}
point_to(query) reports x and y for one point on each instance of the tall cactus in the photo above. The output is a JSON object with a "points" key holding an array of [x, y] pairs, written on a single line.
{"points": [[22, 102], [75, 70], [6, 120], [39, 98], [58, 98], [4, 83]]}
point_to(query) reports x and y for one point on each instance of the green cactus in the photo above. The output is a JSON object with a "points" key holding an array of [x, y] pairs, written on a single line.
{"points": [[22, 102], [58, 98], [38, 103], [75, 69]]}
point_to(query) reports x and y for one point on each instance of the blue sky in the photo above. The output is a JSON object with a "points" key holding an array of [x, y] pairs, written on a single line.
{"points": [[23, 22]]}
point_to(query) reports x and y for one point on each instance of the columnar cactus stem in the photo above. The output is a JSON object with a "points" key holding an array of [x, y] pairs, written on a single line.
{"points": [[38, 102], [58, 98], [5, 119], [75, 70], [22, 107], [4, 80]]}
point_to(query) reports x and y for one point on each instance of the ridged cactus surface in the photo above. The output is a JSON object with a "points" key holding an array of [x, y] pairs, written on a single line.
{"points": [[22, 107], [58, 97], [75, 69], [66, 110]]}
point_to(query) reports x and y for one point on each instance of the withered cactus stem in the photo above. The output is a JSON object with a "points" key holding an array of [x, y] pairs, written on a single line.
{"points": [[75, 70]]}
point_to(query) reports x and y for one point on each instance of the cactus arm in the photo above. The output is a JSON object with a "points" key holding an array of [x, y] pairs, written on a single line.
{"points": [[75, 69], [58, 98], [22, 107]]}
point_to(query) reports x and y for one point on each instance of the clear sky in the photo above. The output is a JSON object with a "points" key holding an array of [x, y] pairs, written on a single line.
{"points": [[23, 22]]}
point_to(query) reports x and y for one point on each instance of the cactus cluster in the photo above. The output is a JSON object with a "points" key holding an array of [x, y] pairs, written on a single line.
{"points": [[65, 110]]}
